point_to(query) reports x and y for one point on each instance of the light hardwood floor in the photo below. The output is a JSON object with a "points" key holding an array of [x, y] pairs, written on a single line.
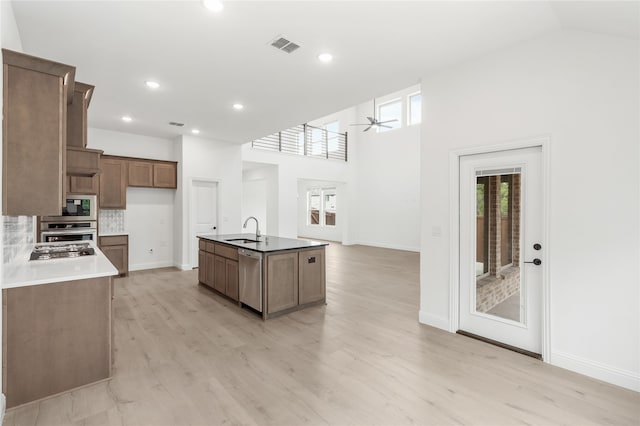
{"points": [[185, 356]]}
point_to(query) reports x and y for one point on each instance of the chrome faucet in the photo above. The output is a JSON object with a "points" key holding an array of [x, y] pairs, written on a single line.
{"points": [[257, 226]]}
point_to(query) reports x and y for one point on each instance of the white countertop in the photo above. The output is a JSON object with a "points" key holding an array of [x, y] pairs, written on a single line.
{"points": [[23, 272], [111, 234]]}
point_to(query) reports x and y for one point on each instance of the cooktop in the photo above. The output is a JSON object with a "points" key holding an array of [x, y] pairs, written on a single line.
{"points": [[55, 251]]}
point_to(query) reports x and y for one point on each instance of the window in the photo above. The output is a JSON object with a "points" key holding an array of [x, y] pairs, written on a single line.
{"points": [[415, 109], [390, 111], [301, 143], [314, 207], [332, 135], [321, 207], [316, 141]]}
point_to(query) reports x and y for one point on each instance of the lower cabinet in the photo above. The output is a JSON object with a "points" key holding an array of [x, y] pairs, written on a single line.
{"points": [[116, 248], [282, 281], [55, 337], [295, 279], [312, 276], [219, 271]]}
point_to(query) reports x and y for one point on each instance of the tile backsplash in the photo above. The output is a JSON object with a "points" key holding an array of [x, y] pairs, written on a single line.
{"points": [[17, 231], [110, 221]]}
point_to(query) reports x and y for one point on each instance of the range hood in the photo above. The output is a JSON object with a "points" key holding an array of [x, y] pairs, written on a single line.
{"points": [[83, 161]]}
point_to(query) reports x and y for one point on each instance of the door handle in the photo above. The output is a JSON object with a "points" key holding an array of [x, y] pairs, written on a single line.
{"points": [[536, 262]]}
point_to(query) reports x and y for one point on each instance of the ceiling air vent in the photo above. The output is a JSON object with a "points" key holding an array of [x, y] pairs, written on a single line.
{"points": [[175, 123], [285, 45]]}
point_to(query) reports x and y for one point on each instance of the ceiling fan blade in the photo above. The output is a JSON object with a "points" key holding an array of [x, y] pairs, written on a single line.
{"points": [[367, 129], [388, 121], [368, 124], [385, 126], [371, 120]]}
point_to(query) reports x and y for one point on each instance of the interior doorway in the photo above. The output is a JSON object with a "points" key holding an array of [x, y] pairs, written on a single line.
{"points": [[501, 248], [204, 214]]}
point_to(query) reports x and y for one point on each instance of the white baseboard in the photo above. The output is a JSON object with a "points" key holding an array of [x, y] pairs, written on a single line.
{"points": [[385, 245], [597, 370], [151, 265], [183, 267], [433, 320]]}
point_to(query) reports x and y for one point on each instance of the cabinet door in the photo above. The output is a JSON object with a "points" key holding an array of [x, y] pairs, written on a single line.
{"points": [[282, 281], [210, 269], [119, 256], [34, 142], [113, 184], [220, 274], [312, 276], [141, 174], [165, 175], [233, 288], [202, 266], [84, 184]]}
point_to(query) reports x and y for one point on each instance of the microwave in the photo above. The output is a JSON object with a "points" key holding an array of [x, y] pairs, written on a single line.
{"points": [[76, 208]]}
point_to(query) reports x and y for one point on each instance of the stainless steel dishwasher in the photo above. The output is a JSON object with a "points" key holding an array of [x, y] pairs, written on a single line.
{"points": [[250, 264]]}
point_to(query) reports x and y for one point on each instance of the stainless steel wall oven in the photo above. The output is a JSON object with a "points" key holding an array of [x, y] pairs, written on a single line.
{"points": [[78, 221]]}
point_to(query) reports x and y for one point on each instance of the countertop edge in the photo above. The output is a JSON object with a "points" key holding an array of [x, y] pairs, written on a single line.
{"points": [[280, 244]]}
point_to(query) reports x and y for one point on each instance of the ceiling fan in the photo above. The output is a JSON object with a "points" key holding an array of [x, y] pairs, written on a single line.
{"points": [[374, 122]]}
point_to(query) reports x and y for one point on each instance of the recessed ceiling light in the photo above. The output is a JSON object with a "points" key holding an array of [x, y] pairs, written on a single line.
{"points": [[126, 118], [238, 106], [152, 84], [214, 5], [325, 57], [195, 131]]}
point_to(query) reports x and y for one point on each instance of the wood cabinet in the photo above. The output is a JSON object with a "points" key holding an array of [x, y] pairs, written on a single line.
{"points": [[116, 248], [282, 281], [165, 175], [35, 97], [55, 337], [218, 268], [83, 185], [82, 161], [152, 174], [140, 173], [77, 115], [311, 268], [113, 183]]}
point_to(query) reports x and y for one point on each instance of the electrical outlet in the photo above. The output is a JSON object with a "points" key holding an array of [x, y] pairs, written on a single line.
{"points": [[151, 251]]}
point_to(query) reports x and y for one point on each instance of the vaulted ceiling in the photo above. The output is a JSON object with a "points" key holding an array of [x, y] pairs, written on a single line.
{"points": [[206, 62]]}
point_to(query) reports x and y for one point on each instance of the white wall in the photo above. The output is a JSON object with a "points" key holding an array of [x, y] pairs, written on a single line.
{"points": [[149, 216], [291, 168], [388, 181], [149, 222], [582, 90], [254, 203], [129, 144], [330, 233], [213, 160]]}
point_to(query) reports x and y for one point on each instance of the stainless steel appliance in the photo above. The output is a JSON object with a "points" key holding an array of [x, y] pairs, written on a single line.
{"points": [[250, 265], [77, 221], [77, 208], [56, 251]]}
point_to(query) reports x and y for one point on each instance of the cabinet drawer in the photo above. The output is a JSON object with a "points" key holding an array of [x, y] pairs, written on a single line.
{"points": [[225, 251], [202, 245], [209, 247], [114, 240]]}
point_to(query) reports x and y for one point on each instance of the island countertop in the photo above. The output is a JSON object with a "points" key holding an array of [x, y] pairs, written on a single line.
{"points": [[24, 272], [266, 243]]}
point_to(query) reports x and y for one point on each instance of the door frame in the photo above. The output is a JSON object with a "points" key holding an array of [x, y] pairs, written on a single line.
{"points": [[192, 225], [544, 142]]}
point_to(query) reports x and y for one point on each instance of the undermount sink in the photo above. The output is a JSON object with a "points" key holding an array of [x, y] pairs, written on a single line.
{"points": [[242, 240]]}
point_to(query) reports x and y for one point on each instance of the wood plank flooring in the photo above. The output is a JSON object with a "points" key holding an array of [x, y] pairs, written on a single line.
{"points": [[185, 356]]}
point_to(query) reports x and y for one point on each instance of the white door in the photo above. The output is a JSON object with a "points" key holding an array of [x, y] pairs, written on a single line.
{"points": [[204, 214], [501, 212]]}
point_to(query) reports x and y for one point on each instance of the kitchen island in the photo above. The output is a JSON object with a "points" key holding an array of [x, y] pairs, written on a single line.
{"points": [[56, 328], [269, 275]]}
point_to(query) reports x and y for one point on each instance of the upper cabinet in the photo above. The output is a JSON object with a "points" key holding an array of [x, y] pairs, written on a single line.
{"points": [[113, 183], [35, 97], [118, 173], [153, 173], [77, 114]]}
